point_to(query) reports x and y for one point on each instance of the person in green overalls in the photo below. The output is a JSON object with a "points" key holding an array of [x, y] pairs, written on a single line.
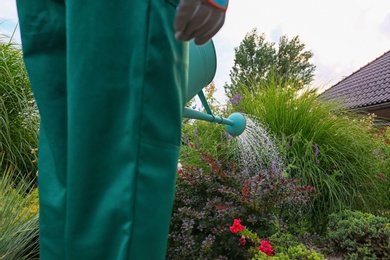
{"points": [[109, 78]]}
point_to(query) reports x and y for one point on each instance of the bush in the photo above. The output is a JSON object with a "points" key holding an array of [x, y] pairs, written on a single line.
{"points": [[293, 253], [279, 246], [206, 202], [211, 137], [329, 149], [359, 234]]}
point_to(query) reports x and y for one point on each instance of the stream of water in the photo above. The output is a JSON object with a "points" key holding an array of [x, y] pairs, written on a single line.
{"points": [[256, 149]]}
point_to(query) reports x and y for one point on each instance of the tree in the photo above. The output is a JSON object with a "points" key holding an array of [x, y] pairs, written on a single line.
{"points": [[293, 61], [257, 60]]}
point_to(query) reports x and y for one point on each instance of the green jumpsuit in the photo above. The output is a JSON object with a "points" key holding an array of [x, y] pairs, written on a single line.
{"points": [[109, 80]]}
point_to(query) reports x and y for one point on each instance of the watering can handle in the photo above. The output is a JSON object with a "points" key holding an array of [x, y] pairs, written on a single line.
{"points": [[204, 102]]}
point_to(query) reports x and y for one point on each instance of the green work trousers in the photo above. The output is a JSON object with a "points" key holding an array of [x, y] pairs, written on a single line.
{"points": [[109, 80]]}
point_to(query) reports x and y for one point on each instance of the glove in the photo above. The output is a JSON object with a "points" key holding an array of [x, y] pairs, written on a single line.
{"points": [[199, 19]]}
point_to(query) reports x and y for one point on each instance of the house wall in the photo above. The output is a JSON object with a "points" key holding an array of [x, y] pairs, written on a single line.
{"points": [[383, 112]]}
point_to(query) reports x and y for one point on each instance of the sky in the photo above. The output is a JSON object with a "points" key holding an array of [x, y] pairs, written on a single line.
{"points": [[344, 35]]}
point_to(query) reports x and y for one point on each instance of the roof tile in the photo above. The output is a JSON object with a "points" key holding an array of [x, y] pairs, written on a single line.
{"points": [[370, 85]]}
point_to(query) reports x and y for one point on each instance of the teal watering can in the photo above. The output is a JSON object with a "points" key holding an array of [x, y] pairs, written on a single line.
{"points": [[202, 68]]}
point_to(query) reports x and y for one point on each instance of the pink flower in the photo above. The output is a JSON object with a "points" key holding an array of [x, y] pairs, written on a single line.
{"points": [[242, 241], [236, 227], [266, 247]]}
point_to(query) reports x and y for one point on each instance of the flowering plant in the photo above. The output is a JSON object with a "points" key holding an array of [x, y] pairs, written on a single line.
{"points": [[266, 247], [236, 227], [246, 234]]}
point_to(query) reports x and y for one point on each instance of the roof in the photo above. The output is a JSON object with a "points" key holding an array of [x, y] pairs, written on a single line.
{"points": [[368, 86]]}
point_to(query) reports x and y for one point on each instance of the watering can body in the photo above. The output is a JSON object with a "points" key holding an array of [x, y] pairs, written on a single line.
{"points": [[202, 69]]}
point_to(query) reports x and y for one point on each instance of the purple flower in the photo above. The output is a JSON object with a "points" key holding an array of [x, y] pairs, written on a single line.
{"points": [[317, 151], [185, 139], [236, 99]]}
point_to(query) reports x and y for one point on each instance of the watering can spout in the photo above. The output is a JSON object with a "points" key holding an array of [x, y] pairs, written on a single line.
{"points": [[202, 69], [235, 123]]}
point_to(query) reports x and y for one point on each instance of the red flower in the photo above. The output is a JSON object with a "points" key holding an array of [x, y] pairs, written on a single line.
{"points": [[242, 241], [236, 227], [266, 248]]}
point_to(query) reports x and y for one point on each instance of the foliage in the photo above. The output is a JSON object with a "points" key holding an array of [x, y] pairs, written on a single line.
{"points": [[207, 200], [19, 120], [331, 150], [361, 235], [257, 60], [213, 138], [246, 235], [298, 252], [286, 246], [383, 176], [18, 218]]}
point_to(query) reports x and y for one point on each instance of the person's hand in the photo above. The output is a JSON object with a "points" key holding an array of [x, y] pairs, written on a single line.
{"points": [[199, 19]]}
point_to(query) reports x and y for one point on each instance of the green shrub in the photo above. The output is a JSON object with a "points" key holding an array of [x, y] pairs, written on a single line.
{"points": [[329, 149], [299, 252], [206, 203], [281, 245], [282, 241], [361, 235], [211, 137]]}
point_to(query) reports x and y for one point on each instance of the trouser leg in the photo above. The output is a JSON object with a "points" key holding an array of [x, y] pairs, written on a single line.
{"points": [[125, 93], [42, 24], [125, 84]]}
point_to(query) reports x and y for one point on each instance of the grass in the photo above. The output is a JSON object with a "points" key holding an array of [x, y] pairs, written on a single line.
{"points": [[19, 123], [19, 119], [332, 150], [18, 218]]}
